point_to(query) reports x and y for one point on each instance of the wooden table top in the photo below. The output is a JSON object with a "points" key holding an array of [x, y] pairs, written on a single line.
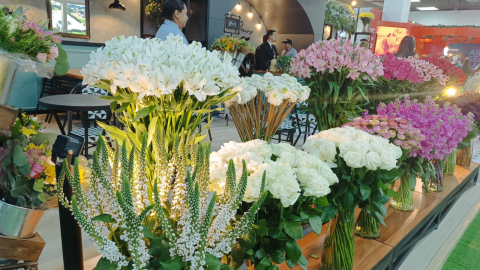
{"points": [[75, 73], [369, 252]]}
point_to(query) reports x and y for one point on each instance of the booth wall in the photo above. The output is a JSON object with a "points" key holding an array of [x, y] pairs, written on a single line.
{"points": [[459, 17], [249, 25]]}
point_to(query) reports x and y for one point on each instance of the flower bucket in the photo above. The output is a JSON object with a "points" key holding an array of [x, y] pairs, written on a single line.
{"points": [[8, 71], [450, 163], [19, 222], [436, 183], [464, 156], [404, 199], [238, 59], [367, 226]]}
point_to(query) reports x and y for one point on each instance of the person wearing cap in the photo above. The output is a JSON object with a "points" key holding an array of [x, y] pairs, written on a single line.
{"points": [[289, 50]]}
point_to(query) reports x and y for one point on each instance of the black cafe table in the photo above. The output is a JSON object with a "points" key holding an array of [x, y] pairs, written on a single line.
{"points": [[74, 102]]}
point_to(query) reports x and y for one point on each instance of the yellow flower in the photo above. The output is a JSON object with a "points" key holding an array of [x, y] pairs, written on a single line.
{"points": [[81, 172], [28, 132], [369, 15], [51, 176], [24, 115]]}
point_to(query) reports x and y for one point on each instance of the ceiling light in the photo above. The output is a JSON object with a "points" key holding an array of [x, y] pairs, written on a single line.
{"points": [[415, 1], [427, 8], [259, 25], [238, 6], [250, 13], [354, 3], [117, 5]]}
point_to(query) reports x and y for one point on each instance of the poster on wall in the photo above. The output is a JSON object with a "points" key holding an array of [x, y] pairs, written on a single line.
{"points": [[389, 38], [463, 50]]}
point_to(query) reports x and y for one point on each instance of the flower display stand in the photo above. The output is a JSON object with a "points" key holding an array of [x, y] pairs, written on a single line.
{"points": [[404, 229], [26, 250]]}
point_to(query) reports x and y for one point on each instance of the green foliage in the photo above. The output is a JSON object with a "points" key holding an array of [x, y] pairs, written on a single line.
{"points": [[386, 91], [467, 140], [284, 61]]}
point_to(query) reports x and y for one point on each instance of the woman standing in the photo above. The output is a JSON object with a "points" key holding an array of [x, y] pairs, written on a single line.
{"points": [[407, 48], [467, 67], [176, 16]]}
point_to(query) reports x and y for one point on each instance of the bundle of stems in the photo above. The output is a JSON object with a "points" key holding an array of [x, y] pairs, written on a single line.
{"points": [[464, 156], [258, 119]]}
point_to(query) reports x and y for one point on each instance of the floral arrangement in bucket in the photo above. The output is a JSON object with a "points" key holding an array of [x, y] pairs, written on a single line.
{"points": [[294, 180], [366, 18], [261, 107], [432, 76], [30, 44], [455, 74], [341, 16], [365, 164], [160, 84], [139, 229], [443, 127], [399, 78], [401, 133], [339, 74], [232, 44]]}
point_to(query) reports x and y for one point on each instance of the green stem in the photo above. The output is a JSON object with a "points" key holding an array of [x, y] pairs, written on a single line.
{"points": [[404, 199], [367, 226]]}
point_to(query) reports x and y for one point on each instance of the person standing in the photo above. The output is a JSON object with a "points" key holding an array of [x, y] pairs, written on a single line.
{"points": [[289, 50], [175, 13], [407, 48], [257, 51], [267, 51], [467, 67]]}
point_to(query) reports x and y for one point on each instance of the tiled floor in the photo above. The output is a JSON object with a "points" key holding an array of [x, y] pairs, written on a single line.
{"points": [[420, 258]]}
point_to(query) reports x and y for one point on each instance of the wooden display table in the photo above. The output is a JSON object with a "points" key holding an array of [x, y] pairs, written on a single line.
{"points": [[404, 229], [27, 250], [273, 73]]}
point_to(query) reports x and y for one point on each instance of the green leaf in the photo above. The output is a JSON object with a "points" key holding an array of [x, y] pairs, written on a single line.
{"points": [[260, 254], [294, 229], [388, 176], [264, 264], [144, 112], [62, 55], [277, 256], [41, 138], [380, 207], [274, 232], [147, 233], [346, 199], [104, 264], [107, 218], [123, 107], [248, 240], [293, 250], [237, 253], [62, 68], [212, 260], [316, 224], [41, 197], [18, 157], [175, 264], [261, 227], [365, 191], [378, 217], [391, 193], [303, 262], [322, 201], [38, 185], [25, 170], [290, 263], [329, 212]]}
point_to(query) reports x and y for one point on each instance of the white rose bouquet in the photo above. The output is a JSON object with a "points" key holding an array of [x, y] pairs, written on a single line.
{"points": [[259, 110], [295, 181], [164, 84], [365, 165]]}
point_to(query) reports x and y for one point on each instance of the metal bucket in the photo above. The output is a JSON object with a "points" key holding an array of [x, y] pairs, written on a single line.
{"points": [[19, 222], [8, 71]]}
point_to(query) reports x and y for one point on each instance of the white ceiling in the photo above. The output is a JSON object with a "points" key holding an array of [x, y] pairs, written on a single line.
{"points": [[440, 4]]}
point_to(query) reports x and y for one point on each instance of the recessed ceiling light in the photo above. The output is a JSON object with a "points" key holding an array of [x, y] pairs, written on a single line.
{"points": [[427, 8], [413, 1]]}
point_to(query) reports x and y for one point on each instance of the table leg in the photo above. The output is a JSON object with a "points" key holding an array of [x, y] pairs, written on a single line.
{"points": [[59, 123], [85, 125], [69, 121]]}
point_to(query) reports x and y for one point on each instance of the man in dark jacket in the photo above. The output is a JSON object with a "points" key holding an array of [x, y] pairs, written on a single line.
{"points": [[267, 51], [257, 51]]}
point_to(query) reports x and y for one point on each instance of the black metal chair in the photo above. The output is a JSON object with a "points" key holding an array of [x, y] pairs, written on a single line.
{"points": [[304, 124]]}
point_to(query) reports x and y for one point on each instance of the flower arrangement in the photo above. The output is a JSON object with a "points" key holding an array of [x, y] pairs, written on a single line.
{"points": [[366, 18], [444, 127], [473, 84], [399, 78], [338, 73], [163, 84], [284, 63], [232, 44], [341, 15], [264, 102], [432, 77], [454, 73], [136, 224], [365, 165], [154, 9], [294, 181], [30, 44]]}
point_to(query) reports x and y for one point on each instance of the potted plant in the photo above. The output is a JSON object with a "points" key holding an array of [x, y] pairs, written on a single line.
{"points": [[295, 181], [284, 63], [28, 45], [27, 178]]}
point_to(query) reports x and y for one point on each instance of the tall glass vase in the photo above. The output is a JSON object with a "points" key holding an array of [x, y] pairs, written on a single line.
{"points": [[464, 156], [339, 243], [450, 163], [436, 183], [404, 199], [367, 226], [8, 71]]}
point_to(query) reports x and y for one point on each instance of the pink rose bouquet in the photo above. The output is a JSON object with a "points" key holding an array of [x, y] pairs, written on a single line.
{"points": [[339, 74], [20, 38]]}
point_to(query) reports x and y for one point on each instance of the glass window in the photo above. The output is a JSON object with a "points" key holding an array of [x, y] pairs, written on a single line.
{"points": [[70, 18]]}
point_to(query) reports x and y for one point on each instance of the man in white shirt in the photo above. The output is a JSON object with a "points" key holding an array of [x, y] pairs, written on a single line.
{"points": [[289, 50]]}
